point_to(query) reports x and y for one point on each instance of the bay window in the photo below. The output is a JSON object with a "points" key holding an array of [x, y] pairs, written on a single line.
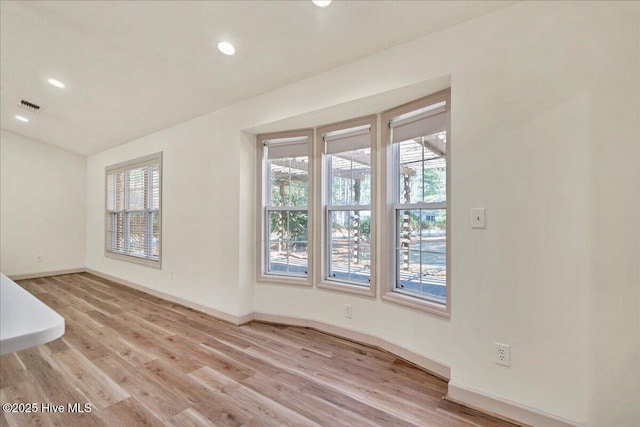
{"points": [[331, 176]]}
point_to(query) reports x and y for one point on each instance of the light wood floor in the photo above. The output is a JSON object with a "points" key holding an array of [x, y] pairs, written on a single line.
{"points": [[139, 360]]}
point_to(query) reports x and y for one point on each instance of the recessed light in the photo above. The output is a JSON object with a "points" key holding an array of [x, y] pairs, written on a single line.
{"points": [[321, 3], [22, 119], [226, 48], [56, 83]]}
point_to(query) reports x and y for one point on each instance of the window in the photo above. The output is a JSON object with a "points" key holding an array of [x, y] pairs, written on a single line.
{"points": [[285, 197], [348, 189], [417, 202], [133, 210], [401, 241]]}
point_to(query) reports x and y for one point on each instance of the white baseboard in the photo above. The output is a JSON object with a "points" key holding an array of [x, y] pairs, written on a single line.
{"points": [[229, 318], [46, 274], [503, 408], [434, 366]]}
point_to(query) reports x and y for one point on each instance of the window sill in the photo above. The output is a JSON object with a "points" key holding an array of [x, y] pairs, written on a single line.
{"points": [[417, 304], [284, 280], [348, 288], [135, 259]]}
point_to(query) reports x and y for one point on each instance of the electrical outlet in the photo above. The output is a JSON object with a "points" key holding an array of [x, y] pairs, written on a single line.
{"points": [[348, 311], [38, 258], [503, 354]]}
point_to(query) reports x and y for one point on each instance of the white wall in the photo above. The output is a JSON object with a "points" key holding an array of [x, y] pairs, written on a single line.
{"points": [[200, 249], [42, 190], [545, 105]]}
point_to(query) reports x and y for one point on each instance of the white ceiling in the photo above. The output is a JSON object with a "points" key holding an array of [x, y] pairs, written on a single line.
{"points": [[133, 68]]}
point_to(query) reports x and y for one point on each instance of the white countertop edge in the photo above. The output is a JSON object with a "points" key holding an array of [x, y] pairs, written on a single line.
{"points": [[17, 343], [25, 321]]}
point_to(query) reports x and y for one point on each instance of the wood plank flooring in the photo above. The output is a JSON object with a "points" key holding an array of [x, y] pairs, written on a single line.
{"points": [[139, 360]]}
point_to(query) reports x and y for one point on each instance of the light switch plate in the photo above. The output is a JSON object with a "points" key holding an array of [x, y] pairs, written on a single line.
{"points": [[478, 218]]}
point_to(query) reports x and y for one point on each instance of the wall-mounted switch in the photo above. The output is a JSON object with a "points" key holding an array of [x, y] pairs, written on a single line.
{"points": [[478, 218]]}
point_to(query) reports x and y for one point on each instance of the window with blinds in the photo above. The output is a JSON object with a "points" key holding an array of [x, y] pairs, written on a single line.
{"points": [[419, 146], [286, 206], [347, 205], [133, 210]]}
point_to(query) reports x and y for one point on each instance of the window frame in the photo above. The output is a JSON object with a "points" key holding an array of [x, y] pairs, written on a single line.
{"points": [[151, 159], [261, 225], [388, 237], [322, 204]]}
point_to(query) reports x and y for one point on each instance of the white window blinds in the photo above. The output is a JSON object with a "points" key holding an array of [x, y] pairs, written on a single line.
{"points": [[287, 147], [348, 139], [423, 122], [133, 208]]}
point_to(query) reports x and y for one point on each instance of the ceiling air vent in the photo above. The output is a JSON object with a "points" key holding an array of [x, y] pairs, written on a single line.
{"points": [[29, 106]]}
